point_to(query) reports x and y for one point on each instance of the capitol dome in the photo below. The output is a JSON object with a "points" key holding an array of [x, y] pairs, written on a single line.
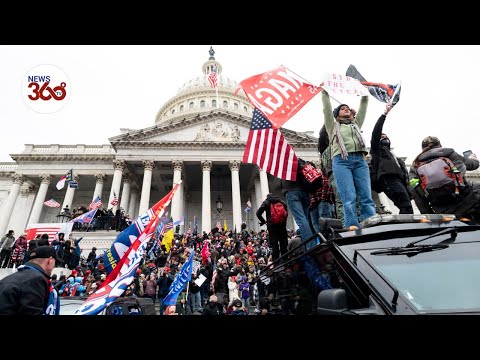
{"points": [[198, 96]]}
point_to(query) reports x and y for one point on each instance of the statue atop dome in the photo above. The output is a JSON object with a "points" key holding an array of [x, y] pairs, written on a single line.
{"points": [[212, 53]]}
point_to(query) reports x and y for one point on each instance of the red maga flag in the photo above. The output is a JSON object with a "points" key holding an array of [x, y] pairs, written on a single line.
{"points": [[267, 148], [279, 94]]}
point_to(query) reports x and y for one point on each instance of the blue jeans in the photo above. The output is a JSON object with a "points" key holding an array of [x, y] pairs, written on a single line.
{"points": [[195, 301], [299, 204], [352, 178], [323, 209]]}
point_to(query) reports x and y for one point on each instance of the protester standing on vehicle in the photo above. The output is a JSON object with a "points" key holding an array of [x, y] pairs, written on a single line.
{"points": [[390, 175], [350, 168], [29, 291], [468, 202]]}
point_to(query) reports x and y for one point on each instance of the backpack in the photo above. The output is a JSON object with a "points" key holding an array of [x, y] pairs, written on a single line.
{"points": [[441, 181], [308, 176], [278, 213]]}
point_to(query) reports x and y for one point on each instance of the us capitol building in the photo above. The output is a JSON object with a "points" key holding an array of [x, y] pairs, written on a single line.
{"points": [[198, 136]]}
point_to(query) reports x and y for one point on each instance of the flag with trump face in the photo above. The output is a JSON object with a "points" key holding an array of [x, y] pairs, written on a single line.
{"points": [[279, 94], [267, 148]]}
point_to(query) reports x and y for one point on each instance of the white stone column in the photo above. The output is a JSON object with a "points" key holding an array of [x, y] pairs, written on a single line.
{"points": [[132, 203], [264, 183], [236, 200], [253, 199], [118, 166], [23, 208], [206, 201], [68, 200], [99, 180], [10, 203], [258, 199], [177, 200], [45, 180], [148, 166], [127, 180]]}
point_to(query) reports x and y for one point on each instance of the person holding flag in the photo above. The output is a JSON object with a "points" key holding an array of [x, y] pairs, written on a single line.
{"points": [[388, 172], [350, 168], [182, 278], [124, 270]]}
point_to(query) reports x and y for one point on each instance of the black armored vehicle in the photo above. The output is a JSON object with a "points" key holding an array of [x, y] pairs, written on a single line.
{"points": [[393, 265]]}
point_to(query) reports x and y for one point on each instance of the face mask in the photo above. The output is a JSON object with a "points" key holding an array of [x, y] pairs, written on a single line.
{"points": [[385, 142]]}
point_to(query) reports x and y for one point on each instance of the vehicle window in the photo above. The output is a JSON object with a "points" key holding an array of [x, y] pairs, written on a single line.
{"points": [[437, 281]]}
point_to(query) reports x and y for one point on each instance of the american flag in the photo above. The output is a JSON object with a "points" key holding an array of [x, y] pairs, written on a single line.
{"points": [[213, 78], [85, 218], [95, 204], [52, 203], [52, 229], [114, 200], [267, 148]]}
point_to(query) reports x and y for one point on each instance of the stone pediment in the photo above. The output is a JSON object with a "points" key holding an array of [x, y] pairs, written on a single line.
{"points": [[218, 126]]}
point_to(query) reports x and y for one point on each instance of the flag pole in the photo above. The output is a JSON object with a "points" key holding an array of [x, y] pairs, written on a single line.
{"points": [[186, 295], [301, 77]]}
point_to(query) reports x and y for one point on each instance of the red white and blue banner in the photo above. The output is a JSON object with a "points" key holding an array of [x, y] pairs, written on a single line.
{"points": [[123, 273], [85, 218]]}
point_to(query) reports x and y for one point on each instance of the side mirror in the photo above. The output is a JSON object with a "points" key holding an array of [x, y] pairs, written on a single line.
{"points": [[332, 302]]}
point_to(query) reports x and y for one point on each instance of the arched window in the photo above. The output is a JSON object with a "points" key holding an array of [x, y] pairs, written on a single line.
{"points": [[181, 107], [235, 106], [190, 105], [214, 103], [244, 109], [173, 111], [225, 104], [202, 103]]}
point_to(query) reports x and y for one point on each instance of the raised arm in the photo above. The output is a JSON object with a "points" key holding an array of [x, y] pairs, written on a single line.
{"points": [[377, 131], [362, 111], [327, 112]]}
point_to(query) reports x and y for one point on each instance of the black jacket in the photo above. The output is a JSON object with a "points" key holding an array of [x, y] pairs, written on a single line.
{"points": [[25, 292], [265, 207], [384, 162]]}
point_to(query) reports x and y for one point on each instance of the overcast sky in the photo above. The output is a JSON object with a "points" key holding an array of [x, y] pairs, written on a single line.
{"points": [[115, 87]]}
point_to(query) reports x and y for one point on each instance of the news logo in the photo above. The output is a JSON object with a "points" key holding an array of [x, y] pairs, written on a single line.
{"points": [[46, 89]]}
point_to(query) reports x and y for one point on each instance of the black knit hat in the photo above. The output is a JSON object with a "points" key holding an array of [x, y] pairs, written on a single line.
{"points": [[337, 110]]}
